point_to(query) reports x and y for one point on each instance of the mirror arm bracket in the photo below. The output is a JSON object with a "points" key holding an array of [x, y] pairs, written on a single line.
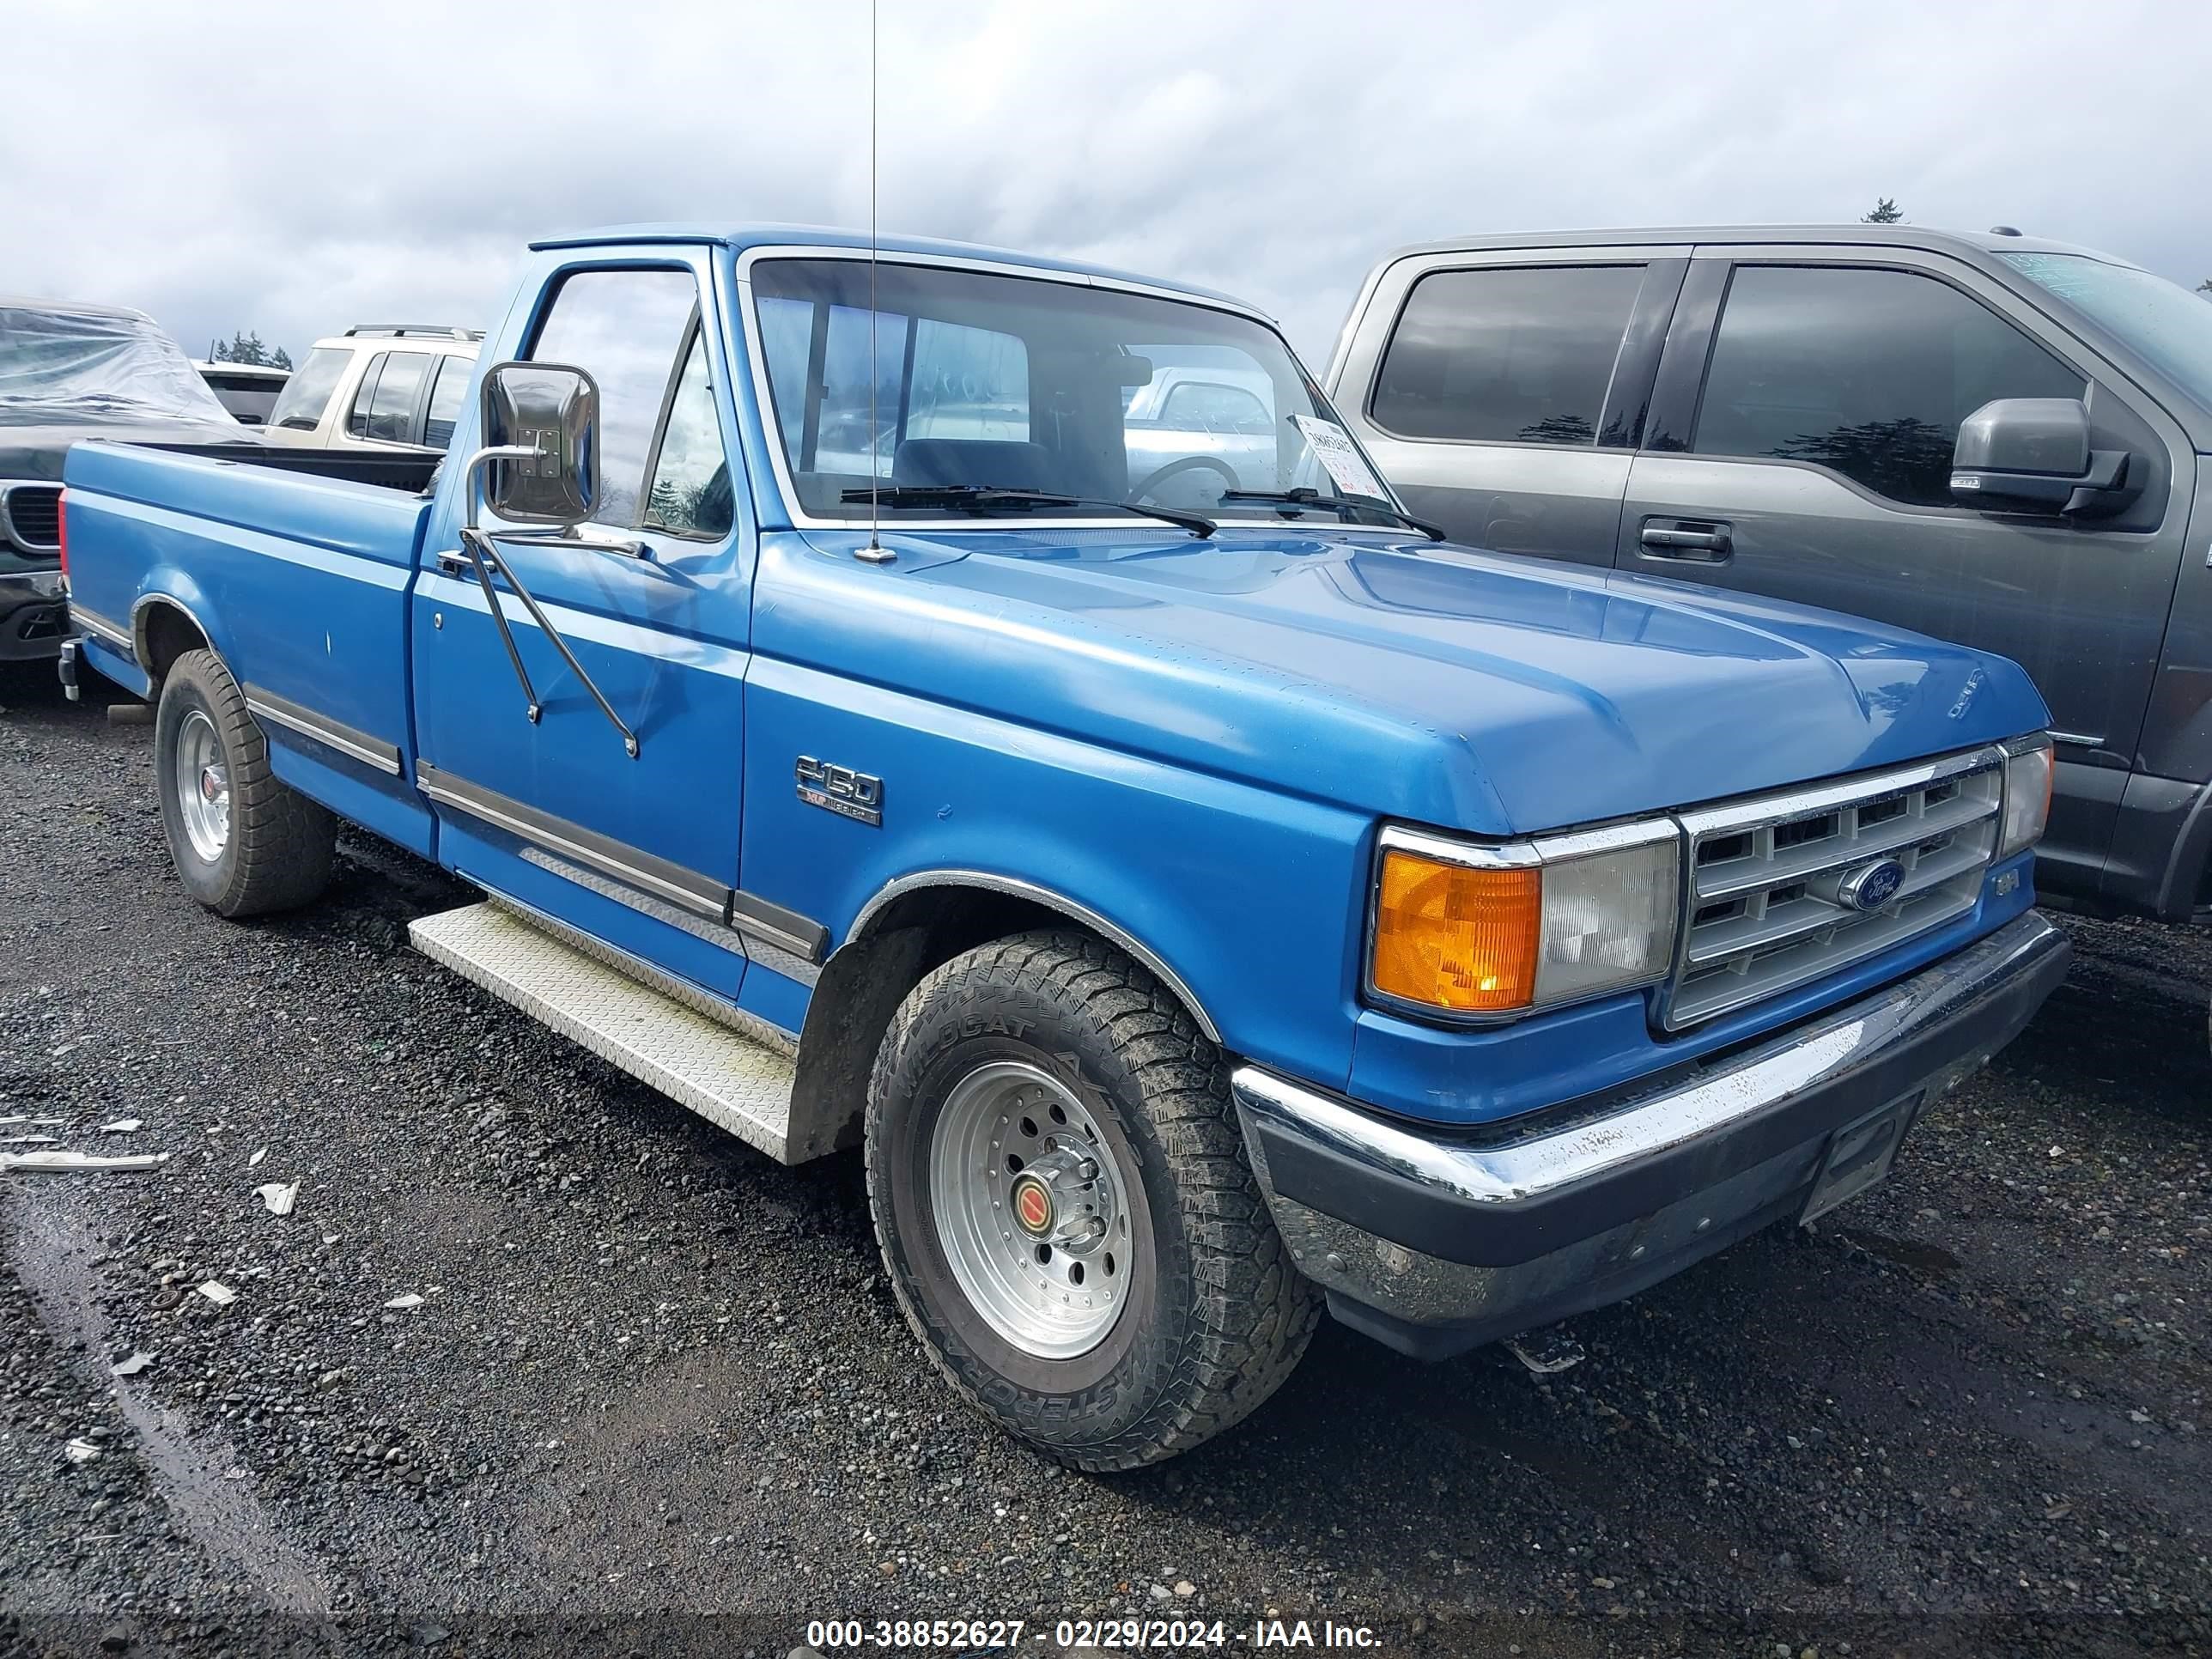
{"points": [[2104, 487], [473, 480], [478, 544], [480, 548], [621, 547]]}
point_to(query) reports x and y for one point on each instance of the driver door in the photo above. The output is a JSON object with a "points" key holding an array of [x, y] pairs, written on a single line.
{"points": [[652, 598]]}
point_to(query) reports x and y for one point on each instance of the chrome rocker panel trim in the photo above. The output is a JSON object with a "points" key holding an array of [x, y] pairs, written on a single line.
{"points": [[699, 894], [785, 933], [365, 747], [107, 632]]}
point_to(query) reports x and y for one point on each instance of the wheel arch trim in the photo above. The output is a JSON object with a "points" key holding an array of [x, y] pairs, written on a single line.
{"points": [[1051, 899], [141, 610]]}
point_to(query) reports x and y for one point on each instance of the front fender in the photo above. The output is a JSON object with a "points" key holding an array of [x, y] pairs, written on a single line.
{"points": [[1249, 904], [925, 881]]}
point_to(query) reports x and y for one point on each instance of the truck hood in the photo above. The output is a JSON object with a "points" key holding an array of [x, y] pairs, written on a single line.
{"points": [[1467, 689], [37, 451]]}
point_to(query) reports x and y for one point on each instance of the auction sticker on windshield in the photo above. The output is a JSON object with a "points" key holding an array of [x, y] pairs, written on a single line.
{"points": [[1347, 469]]}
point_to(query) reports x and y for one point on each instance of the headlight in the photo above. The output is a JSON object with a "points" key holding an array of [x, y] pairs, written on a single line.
{"points": [[1499, 930], [2028, 770]]}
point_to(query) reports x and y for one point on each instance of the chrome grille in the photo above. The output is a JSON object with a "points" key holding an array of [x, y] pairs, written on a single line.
{"points": [[31, 518], [1769, 906]]}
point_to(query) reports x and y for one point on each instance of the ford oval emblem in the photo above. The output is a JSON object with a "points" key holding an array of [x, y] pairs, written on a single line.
{"points": [[1871, 885]]}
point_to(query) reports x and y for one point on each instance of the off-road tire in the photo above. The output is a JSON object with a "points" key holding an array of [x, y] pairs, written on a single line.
{"points": [[281, 844], [1218, 1317]]}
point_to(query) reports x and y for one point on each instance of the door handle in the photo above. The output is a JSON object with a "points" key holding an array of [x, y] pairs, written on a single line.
{"points": [[1700, 541]]}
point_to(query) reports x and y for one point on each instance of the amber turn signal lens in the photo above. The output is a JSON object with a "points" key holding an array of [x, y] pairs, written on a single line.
{"points": [[1447, 936]]}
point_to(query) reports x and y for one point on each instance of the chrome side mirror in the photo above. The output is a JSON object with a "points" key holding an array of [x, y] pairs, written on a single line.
{"points": [[541, 438]]}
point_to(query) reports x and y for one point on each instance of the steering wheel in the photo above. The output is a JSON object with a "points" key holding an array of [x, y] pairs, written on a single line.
{"points": [[1195, 483]]}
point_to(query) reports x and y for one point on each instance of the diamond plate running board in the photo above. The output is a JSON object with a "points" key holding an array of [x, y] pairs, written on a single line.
{"points": [[727, 1078]]}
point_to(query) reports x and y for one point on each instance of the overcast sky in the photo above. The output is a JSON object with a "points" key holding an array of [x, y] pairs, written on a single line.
{"points": [[297, 168]]}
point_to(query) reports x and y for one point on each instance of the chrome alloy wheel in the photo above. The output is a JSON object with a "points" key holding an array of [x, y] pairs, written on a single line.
{"points": [[203, 786], [1029, 1206]]}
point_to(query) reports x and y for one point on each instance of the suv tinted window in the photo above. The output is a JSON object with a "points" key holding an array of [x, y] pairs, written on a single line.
{"points": [[1867, 372], [1506, 356], [623, 329], [384, 407], [446, 396], [307, 393]]}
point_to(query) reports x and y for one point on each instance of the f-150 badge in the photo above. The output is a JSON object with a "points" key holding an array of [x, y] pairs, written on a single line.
{"points": [[840, 789]]}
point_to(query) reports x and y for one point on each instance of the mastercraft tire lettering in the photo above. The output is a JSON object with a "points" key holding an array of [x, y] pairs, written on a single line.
{"points": [[1065, 1211]]}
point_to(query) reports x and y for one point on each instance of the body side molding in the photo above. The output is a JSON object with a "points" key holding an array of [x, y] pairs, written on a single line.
{"points": [[105, 630], [365, 747], [753, 918], [701, 895]]}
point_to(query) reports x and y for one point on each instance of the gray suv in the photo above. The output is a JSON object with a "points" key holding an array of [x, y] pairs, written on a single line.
{"points": [[1986, 438]]}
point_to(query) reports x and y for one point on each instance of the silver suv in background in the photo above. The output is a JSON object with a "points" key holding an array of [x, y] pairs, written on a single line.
{"points": [[1196, 429], [379, 387], [1986, 438]]}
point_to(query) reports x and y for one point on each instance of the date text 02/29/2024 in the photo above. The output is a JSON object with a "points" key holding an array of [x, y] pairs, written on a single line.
{"points": [[829, 1635]]}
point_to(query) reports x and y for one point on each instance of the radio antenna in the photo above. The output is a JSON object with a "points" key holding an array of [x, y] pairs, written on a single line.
{"points": [[875, 552]]}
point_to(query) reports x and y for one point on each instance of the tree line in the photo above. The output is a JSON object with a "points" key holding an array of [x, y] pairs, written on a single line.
{"points": [[245, 346]]}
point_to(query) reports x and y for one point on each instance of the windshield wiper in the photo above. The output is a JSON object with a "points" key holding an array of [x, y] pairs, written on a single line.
{"points": [[992, 498], [1297, 501]]}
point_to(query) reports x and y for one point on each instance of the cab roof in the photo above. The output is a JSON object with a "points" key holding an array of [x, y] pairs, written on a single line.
{"points": [[740, 238]]}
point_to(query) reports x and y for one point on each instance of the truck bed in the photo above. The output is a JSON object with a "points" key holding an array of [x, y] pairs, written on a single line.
{"points": [[295, 565], [412, 472]]}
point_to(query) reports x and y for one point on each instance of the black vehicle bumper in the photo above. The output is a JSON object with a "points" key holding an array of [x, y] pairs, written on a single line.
{"points": [[33, 616], [1433, 1243]]}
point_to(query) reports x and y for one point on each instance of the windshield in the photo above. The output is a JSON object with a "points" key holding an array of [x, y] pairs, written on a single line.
{"points": [[1016, 383], [2163, 323], [69, 367]]}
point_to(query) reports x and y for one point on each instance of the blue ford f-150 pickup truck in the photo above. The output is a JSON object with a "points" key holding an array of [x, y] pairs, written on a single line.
{"points": [[1197, 911]]}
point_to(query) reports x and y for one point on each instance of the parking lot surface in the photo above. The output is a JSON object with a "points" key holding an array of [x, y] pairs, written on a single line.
{"points": [[540, 1362]]}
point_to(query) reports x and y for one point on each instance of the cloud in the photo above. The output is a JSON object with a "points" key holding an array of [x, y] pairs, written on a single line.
{"points": [[294, 169]]}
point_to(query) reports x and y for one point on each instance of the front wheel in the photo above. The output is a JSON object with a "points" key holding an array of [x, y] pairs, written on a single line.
{"points": [[244, 842], [1065, 1211]]}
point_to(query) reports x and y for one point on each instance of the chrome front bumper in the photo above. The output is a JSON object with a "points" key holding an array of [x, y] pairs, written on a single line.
{"points": [[1434, 1242]]}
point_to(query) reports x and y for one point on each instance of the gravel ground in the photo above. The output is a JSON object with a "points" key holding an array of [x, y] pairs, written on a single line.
{"points": [[655, 1396]]}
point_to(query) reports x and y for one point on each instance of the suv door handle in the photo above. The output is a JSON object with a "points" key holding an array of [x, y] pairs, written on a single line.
{"points": [[1702, 541]]}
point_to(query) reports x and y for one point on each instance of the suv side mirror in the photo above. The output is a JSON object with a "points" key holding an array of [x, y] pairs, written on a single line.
{"points": [[2033, 454], [541, 437]]}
